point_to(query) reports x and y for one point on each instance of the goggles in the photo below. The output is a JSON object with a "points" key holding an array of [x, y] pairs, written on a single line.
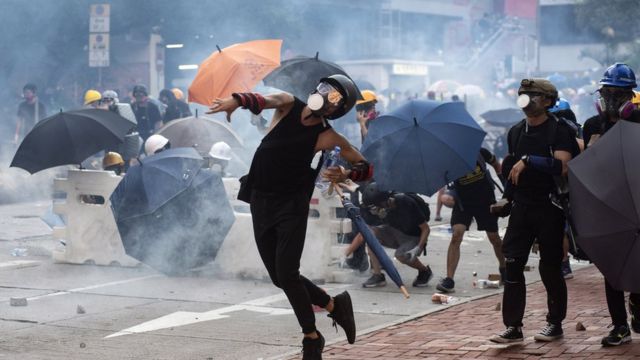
{"points": [[329, 92]]}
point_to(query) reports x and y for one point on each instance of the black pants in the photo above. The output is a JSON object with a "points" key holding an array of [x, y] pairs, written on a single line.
{"points": [[544, 223], [280, 226], [615, 303]]}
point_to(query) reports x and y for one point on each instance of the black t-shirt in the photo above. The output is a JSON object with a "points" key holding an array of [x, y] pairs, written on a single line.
{"points": [[599, 125], [475, 189], [535, 186], [406, 216], [27, 113], [147, 116]]}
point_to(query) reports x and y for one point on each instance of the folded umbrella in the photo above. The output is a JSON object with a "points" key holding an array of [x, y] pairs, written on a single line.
{"points": [[605, 204], [69, 138], [237, 68], [423, 145], [171, 214]]}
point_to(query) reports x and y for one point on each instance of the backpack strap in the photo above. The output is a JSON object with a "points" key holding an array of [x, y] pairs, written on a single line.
{"points": [[514, 136]]}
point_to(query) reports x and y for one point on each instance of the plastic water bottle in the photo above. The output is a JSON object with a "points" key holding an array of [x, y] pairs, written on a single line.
{"points": [[322, 183], [19, 252], [488, 284]]}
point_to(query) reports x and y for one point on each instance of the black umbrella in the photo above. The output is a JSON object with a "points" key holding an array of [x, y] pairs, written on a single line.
{"points": [[300, 75], [605, 203], [171, 214], [503, 117], [70, 138]]}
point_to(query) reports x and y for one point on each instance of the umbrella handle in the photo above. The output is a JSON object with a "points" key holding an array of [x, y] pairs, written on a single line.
{"points": [[403, 290]]}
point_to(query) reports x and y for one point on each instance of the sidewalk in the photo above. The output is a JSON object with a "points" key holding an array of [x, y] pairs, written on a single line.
{"points": [[461, 332]]}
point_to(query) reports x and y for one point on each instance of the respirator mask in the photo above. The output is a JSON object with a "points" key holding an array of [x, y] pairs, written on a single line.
{"points": [[324, 97], [530, 103], [611, 102]]}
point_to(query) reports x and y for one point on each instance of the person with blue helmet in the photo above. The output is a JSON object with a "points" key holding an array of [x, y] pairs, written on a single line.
{"points": [[614, 104]]}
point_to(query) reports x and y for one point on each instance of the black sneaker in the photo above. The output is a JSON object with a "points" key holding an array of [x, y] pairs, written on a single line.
{"points": [[423, 278], [512, 334], [376, 280], [446, 285], [549, 333], [618, 336], [343, 315], [635, 316], [312, 348]]}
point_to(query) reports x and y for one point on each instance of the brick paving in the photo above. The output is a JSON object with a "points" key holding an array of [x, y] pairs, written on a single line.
{"points": [[461, 331]]}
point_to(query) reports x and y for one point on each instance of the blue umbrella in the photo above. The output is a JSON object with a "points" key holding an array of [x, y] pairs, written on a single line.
{"points": [[423, 145], [374, 244], [171, 214]]}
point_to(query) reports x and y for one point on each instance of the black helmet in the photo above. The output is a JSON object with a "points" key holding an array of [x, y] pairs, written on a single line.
{"points": [[374, 196], [348, 90], [140, 89]]}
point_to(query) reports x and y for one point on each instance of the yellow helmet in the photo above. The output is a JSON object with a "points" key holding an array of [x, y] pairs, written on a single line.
{"points": [[636, 98], [367, 96], [178, 93], [112, 159], [91, 96]]}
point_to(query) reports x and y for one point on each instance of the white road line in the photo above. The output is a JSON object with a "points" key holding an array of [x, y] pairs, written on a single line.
{"points": [[76, 290], [181, 318]]}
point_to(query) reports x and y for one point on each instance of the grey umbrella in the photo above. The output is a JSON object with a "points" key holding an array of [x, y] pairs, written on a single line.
{"points": [[605, 203]]}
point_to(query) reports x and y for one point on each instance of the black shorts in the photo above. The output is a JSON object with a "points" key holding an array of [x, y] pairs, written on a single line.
{"points": [[485, 220]]}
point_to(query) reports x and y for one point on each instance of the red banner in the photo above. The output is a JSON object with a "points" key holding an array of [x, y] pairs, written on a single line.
{"points": [[526, 9]]}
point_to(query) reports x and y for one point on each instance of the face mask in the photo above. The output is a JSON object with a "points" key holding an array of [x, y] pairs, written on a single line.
{"points": [[323, 97], [372, 115], [531, 104], [612, 103]]}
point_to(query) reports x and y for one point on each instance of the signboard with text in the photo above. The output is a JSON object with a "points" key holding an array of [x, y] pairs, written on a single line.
{"points": [[99, 18], [98, 50]]}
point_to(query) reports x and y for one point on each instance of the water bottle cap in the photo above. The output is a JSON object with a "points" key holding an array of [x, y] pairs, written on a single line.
{"points": [[337, 148]]}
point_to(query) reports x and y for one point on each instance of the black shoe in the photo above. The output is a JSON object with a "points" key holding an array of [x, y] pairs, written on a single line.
{"points": [[566, 270], [376, 280], [512, 334], [446, 285], [423, 278], [635, 316], [312, 348], [343, 315], [618, 336], [549, 333]]}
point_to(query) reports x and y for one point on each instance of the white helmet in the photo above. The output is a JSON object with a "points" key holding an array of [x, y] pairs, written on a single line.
{"points": [[110, 94], [154, 143], [220, 150]]}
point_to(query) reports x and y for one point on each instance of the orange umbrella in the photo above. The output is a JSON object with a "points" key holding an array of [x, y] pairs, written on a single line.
{"points": [[237, 68]]}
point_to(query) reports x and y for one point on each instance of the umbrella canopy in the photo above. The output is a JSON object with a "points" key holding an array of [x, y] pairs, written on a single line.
{"points": [[237, 68], [300, 75], [200, 132], [605, 203], [171, 214], [444, 86], [422, 145], [374, 244], [68, 138], [503, 117]]}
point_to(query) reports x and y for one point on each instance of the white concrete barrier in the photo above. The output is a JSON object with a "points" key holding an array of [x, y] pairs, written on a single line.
{"points": [[90, 234], [239, 256]]}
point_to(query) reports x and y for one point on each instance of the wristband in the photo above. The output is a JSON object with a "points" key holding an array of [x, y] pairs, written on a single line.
{"points": [[254, 102], [361, 171], [544, 164]]}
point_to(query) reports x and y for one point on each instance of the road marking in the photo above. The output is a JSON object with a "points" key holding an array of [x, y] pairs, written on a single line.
{"points": [[181, 318], [77, 290]]}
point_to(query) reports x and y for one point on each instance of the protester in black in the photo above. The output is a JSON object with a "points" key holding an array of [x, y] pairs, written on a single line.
{"points": [[147, 113], [281, 182], [474, 194], [404, 227], [544, 147], [175, 109], [30, 111], [614, 104]]}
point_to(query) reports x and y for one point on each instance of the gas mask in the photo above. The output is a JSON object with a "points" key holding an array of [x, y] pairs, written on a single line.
{"points": [[611, 102], [372, 114], [324, 97], [530, 103], [378, 211]]}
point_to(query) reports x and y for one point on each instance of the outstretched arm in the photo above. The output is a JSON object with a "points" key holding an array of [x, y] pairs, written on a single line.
{"points": [[281, 102]]}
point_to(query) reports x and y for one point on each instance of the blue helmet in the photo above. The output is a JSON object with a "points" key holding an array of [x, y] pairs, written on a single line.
{"points": [[561, 104], [619, 75]]}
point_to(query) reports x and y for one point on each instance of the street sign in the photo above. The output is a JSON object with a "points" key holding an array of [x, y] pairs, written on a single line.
{"points": [[99, 18], [98, 50]]}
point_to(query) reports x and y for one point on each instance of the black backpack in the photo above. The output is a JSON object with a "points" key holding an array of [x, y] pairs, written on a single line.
{"points": [[422, 205]]}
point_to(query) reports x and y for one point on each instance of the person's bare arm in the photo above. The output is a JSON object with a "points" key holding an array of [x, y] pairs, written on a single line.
{"points": [[327, 141], [282, 102]]}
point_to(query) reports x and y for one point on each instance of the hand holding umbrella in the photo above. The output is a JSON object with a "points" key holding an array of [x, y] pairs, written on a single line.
{"points": [[374, 244]]}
